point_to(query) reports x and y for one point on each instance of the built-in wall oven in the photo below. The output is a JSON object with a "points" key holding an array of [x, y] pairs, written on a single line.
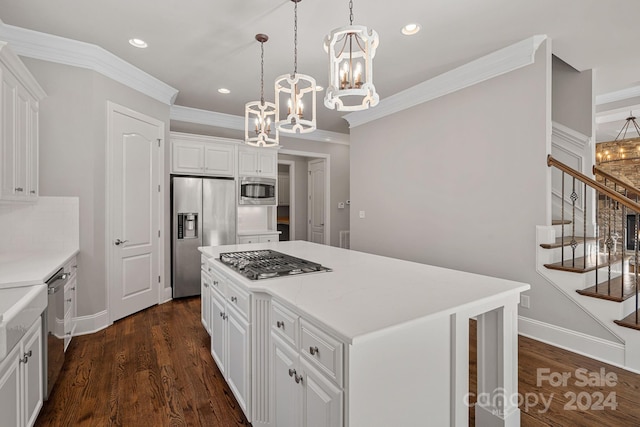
{"points": [[257, 191], [53, 330]]}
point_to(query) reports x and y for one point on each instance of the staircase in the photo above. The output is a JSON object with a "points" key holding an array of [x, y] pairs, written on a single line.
{"points": [[596, 265]]}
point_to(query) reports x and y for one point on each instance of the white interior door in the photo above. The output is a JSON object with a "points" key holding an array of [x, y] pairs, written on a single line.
{"points": [[317, 201], [133, 211]]}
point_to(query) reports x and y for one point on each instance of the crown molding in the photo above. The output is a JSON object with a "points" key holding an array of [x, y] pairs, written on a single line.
{"points": [[619, 95], [229, 121], [569, 136], [47, 47], [495, 64], [10, 60]]}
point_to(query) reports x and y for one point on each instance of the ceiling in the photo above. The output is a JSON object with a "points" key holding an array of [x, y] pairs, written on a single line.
{"points": [[200, 46]]}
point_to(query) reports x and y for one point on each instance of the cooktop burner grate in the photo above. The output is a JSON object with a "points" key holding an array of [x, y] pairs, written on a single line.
{"points": [[267, 263]]}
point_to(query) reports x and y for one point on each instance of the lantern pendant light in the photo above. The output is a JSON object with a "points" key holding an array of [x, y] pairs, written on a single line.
{"points": [[297, 92], [351, 50], [259, 115]]}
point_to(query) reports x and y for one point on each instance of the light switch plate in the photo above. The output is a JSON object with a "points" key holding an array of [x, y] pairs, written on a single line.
{"points": [[361, 214]]}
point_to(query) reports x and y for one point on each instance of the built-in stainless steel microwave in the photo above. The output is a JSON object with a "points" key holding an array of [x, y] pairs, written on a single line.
{"points": [[257, 191]]}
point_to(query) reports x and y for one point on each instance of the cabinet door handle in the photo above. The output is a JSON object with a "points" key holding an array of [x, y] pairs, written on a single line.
{"points": [[205, 284], [234, 299], [313, 350], [19, 190], [69, 300], [73, 289], [298, 378], [280, 324], [215, 283], [32, 191], [292, 372], [222, 314]]}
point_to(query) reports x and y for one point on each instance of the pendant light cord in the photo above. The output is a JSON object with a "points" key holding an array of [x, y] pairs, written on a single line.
{"points": [[262, 73], [350, 12], [295, 38]]}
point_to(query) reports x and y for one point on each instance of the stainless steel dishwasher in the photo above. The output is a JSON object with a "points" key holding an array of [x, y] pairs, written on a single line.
{"points": [[53, 324]]}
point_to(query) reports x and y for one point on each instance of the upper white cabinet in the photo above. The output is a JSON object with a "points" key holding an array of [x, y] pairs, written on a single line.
{"points": [[202, 155], [19, 116], [257, 162]]}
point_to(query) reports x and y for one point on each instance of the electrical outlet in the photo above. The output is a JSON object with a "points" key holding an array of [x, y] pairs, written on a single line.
{"points": [[361, 214], [340, 205], [525, 301]]}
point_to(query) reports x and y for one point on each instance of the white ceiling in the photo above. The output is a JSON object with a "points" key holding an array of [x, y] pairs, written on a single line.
{"points": [[199, 46]]}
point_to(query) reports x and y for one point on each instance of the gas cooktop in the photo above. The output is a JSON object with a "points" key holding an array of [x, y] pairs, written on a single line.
{"points": [[266, 263]]}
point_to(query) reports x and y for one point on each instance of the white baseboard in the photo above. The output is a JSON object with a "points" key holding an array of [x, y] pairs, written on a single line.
{"points": [[167, 295], [92, 323], [606, 351]]}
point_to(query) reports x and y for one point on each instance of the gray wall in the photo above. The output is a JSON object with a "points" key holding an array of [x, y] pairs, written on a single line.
{"points": [[461, 182], [572, 97], [73, 131], [339, 172]]}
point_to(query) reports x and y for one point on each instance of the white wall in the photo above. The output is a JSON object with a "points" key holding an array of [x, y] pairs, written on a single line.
{"points": [[73, 132], [461, 182], [572, 97]]}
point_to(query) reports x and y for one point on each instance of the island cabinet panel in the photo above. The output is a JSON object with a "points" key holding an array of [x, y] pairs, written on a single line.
{"points": [[228, 319]]}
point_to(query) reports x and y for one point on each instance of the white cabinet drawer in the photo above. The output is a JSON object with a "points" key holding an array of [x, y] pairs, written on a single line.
{"points": [[321, 349], [238, 299], [284, 323]]}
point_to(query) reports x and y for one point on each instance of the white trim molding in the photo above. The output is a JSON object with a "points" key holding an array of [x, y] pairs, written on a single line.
{"points": [[619, 95], [576, 342], [20, 72], [495, 64], [47, 47], [92, 323], [229, 121]]}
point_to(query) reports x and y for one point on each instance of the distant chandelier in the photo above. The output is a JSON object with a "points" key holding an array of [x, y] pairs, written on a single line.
{"points": [[631, 119], [258, 115], [351, 50], [295, 89]]}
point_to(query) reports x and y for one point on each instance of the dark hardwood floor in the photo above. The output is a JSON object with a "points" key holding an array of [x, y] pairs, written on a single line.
{"points": [[154, 369]]}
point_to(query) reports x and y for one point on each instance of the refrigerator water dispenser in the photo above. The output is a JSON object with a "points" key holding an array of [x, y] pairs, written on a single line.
{"points": [[187, 225]]}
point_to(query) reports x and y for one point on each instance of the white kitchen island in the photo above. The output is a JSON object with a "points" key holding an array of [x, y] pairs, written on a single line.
{"points": [[375, 342]]}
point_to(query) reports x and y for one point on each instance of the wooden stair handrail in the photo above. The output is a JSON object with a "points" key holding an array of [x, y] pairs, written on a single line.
{"points": [[630, 188], [594, 184]]}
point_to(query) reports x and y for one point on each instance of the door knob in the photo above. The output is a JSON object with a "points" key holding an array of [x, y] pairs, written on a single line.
{"points": [[120, 242]]}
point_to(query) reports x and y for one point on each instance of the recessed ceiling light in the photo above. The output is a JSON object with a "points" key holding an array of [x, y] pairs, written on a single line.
{"points": [[138, 43], [410, 29], [224, 90]]}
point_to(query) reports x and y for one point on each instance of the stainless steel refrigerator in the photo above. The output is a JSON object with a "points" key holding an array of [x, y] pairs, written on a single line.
{"points": [[203, 214]]}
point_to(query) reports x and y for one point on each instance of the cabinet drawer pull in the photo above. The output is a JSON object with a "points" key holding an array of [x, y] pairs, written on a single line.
{"points": [[73, 289], [215, 283], [69, 300], [313, 350], [205, 284], [32, 191], [19, 190], [298, 378], [292, 372], [234, 299], [68, 334], [280, 324]]}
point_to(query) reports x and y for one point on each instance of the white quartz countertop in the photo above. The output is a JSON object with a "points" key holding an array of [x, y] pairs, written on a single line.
{"points": [[366, 293], [32, 267], [257, 232]]}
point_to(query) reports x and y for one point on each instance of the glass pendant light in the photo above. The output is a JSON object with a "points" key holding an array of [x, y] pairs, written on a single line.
{"points": [[351, 50], [295, 90], [259, 115]]}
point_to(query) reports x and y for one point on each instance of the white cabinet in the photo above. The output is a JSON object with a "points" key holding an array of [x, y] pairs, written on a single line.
{"points": [[205, 295], [307, 372], [303, 397], [231, 336], [70, 305], [19, 116], [21, 373], [202, 155], [258, 238], [257, 162]]}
